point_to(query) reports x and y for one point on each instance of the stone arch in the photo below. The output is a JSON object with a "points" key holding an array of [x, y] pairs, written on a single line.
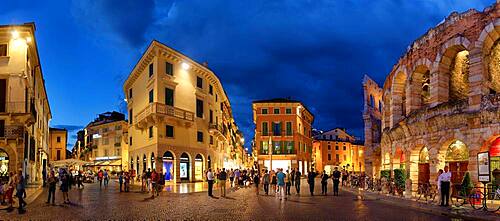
{"points": [[398, 159], [168, 161], [398, 96], [489, 44], [12, 164], [419, 85], [386, 111], [185, 166], [450, 75]]}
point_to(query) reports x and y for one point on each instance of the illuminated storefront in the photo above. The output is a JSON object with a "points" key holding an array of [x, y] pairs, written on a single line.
{"points": [[198, 168], [168, 166], [4, 164], [184, 167]]}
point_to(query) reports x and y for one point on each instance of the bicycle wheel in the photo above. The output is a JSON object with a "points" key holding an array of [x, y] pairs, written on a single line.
{"points": [[492, 202], [476, 199]]}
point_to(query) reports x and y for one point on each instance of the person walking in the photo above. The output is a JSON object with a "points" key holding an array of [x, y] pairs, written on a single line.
{"points": [[256, 182], [324, 183], [126, 177], [444, 182], [21, 191], [99, 177], [273, 182], [280, 177], [80, 180], [160, 183], [231, 177], [288, 183], [143, 181], [292, 176], [65, 186], [265, 181], [106, 178], [310, 180], [52, 181], [11, 185], [336, 180], [148, 180], [344, 178], [154, 181], [297, 181], [210, 179], [222, 182], [120, 180]]}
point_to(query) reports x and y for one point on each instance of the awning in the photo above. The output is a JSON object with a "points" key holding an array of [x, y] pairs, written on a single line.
{"points": [[68, 162]]}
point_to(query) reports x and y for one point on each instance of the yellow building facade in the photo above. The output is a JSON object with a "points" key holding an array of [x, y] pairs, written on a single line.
{"points": [[180, 117], [336, 148], [24, 106], [57, 144], [106, 144]]}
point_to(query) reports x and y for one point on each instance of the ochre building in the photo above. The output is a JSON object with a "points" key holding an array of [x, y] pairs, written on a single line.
{"points": [[57, 144], [337, 148], [283, 134], [24, 105], [180, 118], [440, 103]]}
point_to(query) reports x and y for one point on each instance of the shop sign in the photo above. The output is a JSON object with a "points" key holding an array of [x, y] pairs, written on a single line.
{"points": [[483, 162]]}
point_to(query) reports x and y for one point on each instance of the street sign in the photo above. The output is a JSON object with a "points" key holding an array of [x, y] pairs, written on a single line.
{"points": [[483, 166]]}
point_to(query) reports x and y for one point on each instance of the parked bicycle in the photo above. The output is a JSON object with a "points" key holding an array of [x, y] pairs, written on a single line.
{"points": [[489, 201], [426, 192]]}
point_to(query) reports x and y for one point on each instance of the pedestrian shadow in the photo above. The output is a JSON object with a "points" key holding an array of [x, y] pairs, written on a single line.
{"points": [[299, 202], [229, 198], [214, 197]]}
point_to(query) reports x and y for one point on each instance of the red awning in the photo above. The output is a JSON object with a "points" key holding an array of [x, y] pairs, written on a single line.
{"points": [[495, 148]]}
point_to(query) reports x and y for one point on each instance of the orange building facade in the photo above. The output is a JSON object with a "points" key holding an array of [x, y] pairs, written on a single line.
{"points": [[283, 134], [336, 148]]}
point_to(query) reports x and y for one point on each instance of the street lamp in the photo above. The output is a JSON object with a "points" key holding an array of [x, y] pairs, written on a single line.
{"points": [[185, 66]]}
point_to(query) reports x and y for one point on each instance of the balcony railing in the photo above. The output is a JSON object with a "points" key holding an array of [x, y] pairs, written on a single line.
{"points": [[282, 151], [158, 108], [11, 132]]}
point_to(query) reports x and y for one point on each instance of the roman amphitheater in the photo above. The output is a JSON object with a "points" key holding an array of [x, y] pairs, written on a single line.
{"points": [[440, 103]]}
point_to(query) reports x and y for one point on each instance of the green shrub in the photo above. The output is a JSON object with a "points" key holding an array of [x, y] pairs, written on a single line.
{"points": [[467, 185], [400, 178], [385, 173]]}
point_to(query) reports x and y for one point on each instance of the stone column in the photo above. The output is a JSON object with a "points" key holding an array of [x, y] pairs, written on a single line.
{"points": [[439, 85], [476, 79]]}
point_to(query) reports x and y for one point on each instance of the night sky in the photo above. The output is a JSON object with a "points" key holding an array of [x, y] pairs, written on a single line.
{"points": [[314, 51]]}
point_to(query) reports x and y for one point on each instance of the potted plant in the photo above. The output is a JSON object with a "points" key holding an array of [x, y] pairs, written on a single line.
{"points": [[467, 185]]}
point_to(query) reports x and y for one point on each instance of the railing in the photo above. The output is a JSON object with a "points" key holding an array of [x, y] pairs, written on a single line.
{"points": [[158, 108], [12, 132], [278, 152]]}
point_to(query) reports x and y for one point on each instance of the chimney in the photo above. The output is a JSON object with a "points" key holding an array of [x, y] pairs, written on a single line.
{"points": [[205, 64]]}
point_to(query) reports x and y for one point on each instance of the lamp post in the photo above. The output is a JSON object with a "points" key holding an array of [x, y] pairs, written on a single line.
{"points": [[271, 153]]}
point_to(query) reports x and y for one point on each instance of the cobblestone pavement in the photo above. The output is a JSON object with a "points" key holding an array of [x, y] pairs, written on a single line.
{"points": [[94, 204]]}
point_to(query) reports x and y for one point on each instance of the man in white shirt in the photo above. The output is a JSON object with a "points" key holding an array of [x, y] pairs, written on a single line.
{"points": [[210, 179], [444, 183]]}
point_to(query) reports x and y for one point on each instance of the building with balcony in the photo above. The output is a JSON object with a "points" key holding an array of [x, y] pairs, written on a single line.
{"points": [[105, 143], [57, 144], [180, 118], [283, 134], [440, 104], [24, 105], [337, 148]]}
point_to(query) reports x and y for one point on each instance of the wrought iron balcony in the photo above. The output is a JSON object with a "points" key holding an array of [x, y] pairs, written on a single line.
{"points": [[11, 132], [217, 130], [154, 111]]}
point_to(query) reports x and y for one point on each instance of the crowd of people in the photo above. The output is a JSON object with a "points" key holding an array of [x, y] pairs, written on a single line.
{"points": [[279, 182], [16, 182]]}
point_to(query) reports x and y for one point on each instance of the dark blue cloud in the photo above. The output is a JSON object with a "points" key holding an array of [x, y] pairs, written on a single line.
{"points": [[313, 51]]}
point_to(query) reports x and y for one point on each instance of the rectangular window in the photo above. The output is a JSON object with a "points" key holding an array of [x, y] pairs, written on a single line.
{"points": [[130, 141], [265, 129], [169, 97], [150, 132], [276, 111], [211, 139], [211, 117], [151, 96], [169, 131], [2, 128], [59, 139], [3, 50], [264, 147], [329, 157], [276, 129], [199, 108], [289, 147], [211, 89], [199, 137], [130, 116], [288, 111], [129, 93], [329, 147], [337, 158], [344, 148], [264, 111], [151, 69], [336, 147], [169, 68], [289, 128], [199, 82]]}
